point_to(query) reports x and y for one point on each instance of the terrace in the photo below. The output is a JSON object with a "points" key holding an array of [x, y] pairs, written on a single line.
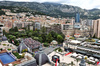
{"points": [[6, 58], [8, 46]]}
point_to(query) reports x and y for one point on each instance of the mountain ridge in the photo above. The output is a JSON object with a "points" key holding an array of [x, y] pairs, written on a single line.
{"points": [[56, 9]]}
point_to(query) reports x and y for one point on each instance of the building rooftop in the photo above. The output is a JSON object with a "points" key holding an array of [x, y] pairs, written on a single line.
{"points": [[41, 58], [4, 38], [32, 44]]}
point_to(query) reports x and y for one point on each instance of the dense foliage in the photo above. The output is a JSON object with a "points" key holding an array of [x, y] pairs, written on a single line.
{"points": [[17, 55], [2, 12], [39, 35], [45, 44]]}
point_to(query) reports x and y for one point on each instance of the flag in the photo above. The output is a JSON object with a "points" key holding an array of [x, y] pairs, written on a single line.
{"points": [[56, 64], [67, 53], [98, 63], [13, 41]]}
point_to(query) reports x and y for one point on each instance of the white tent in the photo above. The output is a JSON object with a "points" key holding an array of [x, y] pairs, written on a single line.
{"points": [[96, 60], [91, 58], [80, 57], [74, 55], [75, 41]]}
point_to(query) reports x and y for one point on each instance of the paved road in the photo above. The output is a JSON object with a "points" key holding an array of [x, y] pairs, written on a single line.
{"points": [[49, 49]]}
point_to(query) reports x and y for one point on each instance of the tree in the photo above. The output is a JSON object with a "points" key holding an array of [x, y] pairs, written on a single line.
{"points": [[59, 38], [30, 34], [43, 29], [28, 27], [46, 44], [36, 33], [16, 29], [43, 37], [4, 32], [40, 39], [54, 35], [49, 38]]}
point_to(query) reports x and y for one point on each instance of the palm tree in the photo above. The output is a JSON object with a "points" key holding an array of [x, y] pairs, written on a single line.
{"points": [[77, 60]]}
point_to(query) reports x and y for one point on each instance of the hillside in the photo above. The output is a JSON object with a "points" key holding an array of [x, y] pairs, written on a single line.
{"points": [[55, 9], [21, 9]]}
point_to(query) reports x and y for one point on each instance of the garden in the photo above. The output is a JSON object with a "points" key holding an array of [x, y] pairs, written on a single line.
{"points": [[39, 35], [18, 56]]}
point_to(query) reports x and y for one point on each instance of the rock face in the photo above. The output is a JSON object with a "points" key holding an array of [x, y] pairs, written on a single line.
{"points": [[55, 9]]}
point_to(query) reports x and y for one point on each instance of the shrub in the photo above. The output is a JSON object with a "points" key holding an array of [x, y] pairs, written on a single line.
{"points": [[24, 50], [10, 45], [4, 44], [17, 55], [23, 55], [46, 44], [72, 38], [90, 40], [9, 49]]}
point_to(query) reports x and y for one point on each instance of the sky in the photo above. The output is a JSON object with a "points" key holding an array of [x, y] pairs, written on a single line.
{"points": [[85, 4]]}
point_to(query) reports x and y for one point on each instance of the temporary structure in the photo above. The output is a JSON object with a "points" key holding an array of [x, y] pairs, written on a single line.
{"points": [[75, 42]]}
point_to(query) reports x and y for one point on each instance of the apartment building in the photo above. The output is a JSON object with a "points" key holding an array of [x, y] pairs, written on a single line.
{"points": [[96, 28]]}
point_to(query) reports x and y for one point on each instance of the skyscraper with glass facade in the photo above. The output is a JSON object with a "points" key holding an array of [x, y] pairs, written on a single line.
{"points": [[77, 18]]}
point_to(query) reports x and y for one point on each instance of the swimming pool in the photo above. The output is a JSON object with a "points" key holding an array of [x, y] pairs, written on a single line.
{"points": [[6, 58]]}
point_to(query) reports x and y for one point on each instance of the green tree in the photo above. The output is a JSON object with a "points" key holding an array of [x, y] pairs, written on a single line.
{"points": [[54, 35], [43, 37], [4, 32], [16, 29], [46, 44], [40, 39], [36, 38], [49, 38], [36, 33], [30, 34], [43, 29], [28, 27], [59, 38]]}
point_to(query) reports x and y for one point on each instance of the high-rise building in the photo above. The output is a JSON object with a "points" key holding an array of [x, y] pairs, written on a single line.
{"points": [[77, 18], [1, 31], [89, 22], [96, 28]]}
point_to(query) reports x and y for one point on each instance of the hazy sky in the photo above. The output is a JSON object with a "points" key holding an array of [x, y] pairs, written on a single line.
{"points": [[87, 4]]}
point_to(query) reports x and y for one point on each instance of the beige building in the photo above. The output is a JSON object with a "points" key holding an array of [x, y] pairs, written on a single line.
{"points": [[96, 28]]}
